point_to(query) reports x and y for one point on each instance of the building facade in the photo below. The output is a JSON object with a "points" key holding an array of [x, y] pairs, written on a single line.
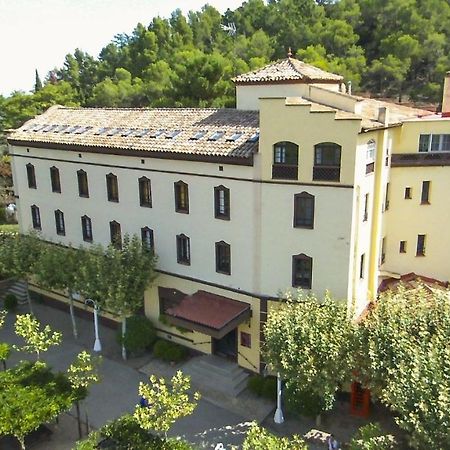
{"points": [[302, 186]]}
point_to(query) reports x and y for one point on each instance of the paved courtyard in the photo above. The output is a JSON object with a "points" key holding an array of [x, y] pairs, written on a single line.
{"points": [[215, 419]]}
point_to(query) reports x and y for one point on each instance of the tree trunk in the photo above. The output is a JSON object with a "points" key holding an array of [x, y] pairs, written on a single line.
{"points": [[72, 316], [28, 297], [80, 432], [124, 329], [21, 440]]}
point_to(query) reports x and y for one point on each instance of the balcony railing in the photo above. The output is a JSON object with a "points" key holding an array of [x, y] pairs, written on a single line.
{"points": [[285, 171], [326, 173]]}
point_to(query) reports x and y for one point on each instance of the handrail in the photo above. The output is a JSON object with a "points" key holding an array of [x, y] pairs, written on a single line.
{"points": [[243, 356]]}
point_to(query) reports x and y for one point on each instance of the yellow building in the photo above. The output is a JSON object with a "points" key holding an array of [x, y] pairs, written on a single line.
{"points": [[302, 186]]}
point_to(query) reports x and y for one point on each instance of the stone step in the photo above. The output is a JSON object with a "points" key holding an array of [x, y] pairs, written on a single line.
{"points": [[19, 289], [219, 366]]}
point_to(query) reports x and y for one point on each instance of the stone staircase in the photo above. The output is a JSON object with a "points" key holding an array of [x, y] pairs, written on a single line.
{"points": [[16, 287], [211, 373]]}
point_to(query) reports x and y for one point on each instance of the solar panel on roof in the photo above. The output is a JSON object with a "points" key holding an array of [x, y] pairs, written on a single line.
{"points": [[198, 135], [101, 130], [172, 134], [113, 131], [60, 128], [82, 130], [156, 134], [216, 136], [141, 133], [254, 137], [49, 128], [71, 129], [38, 127], [128, 132], [235, 136]]}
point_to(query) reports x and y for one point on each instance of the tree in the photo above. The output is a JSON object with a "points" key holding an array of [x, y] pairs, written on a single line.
{"points": [[37, 82], [310, 344], [37, 340], [166, 404], [260, 439], [128, 272], [67, 260], [404, 358], [370, 437], [81, 374], [5, 348]]}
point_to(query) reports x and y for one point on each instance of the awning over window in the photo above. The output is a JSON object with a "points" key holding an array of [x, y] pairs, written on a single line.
{"points": [[208, 313]]}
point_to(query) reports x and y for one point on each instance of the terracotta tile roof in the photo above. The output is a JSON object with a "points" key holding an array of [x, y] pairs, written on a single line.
{"points": [[289, 69], [412, 281], [209, 310], [147, 130]]}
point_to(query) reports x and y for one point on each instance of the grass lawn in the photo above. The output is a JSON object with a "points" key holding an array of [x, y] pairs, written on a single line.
{"points": [[9, 227]]}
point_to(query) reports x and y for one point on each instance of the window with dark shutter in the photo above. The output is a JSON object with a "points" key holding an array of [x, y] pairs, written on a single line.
{"points": [[83, 188], [59, 222], [327, 162], [145, 192], [86, 227], [181, 190], [425, 198], [420, 251], [55, 179], [304, 210], [223, 258], [116, 234], [302, 271], [31, 176], [147, 239], [183, 249], [35, 217], [285, 161], [112, 187], [221, 203]]}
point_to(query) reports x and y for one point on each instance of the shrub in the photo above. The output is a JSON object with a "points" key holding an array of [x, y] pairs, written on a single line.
{"points": [[300, 402], [371, 437], [140, 334], [269, 389], [10, 302], [168, 351], [255, 384], [260, 439]]}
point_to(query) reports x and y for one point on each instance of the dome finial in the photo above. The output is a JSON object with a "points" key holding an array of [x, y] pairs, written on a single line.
{"points": [[289, 55]]}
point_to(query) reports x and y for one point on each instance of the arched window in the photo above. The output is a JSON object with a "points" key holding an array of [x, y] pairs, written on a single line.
{"points": [[55, 179], [147, 239], [145, 192], [116, 234], [36, 217], [59, 222], [183, 249], [83, 188], [327, 162], [112, 187], [221, 203], [304, 210], [223, 258], [302, 271], [370, 156], [31, 175], [285, 161], [181, 197], [86, 227]]}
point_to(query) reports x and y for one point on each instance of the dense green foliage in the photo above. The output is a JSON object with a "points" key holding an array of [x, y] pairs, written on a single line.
{"points": [[140, 334], [169, 351], [371, 437], [263, 386], [260, 439], [395, 47]]}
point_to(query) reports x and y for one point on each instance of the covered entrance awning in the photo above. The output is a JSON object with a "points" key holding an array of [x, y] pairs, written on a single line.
{"points": [[208, 313]]}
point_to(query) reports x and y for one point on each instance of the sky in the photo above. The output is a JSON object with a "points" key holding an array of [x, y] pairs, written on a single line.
{"points": [[37, 34]]}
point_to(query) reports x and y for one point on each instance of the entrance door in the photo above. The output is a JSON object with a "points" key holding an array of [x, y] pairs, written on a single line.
{"points": [[227, 346]]}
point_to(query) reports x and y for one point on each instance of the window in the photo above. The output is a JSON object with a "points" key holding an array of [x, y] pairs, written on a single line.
{"points": [[402, 247], [366, 208], [420, 245], [181, 197], [54, 177], [285, 161], [408, 195], [303, 210], [112, 187], [246, 339], [116, 234], [36, 217], [222, 203], [31, 175], [183, 249], [361, 266], [434, 143], [383, 251], [223, 258], [425, 198], [59, 222], [302, 271], [86, 227], [147, 239], [83, 188], [370, 156], [145, 192], [327, 162], [386, 197]]}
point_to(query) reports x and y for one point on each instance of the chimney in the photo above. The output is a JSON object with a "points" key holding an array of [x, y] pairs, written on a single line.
{"points": [[383, 115], [446, 95]]}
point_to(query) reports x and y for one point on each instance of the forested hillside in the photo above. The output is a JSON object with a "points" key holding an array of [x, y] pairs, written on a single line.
{"points": [[396, 48]]}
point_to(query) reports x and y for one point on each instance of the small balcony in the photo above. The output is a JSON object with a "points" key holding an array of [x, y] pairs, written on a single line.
{"points": [[326, 173], [285, 171]]}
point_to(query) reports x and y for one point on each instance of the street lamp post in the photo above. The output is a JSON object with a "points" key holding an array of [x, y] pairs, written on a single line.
{"points": [[278, 418], [97, 343]]}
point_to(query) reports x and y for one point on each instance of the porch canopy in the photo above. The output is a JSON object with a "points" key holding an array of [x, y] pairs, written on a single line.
{"points": [[208, 313]]}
